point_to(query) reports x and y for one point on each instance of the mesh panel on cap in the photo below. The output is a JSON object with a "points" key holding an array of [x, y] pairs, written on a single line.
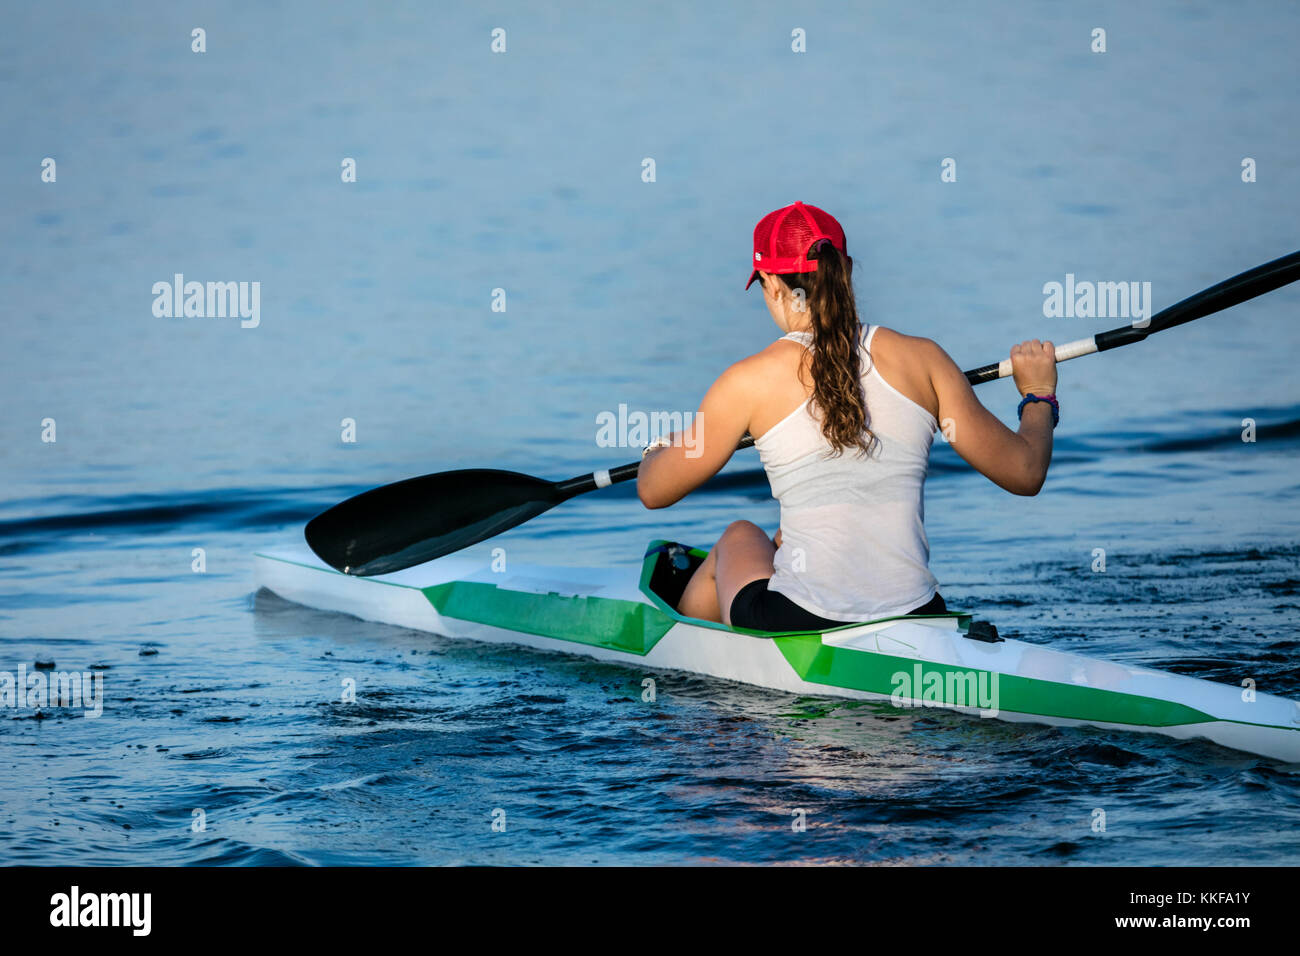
{"points": [[827, 224], [794, 236]]}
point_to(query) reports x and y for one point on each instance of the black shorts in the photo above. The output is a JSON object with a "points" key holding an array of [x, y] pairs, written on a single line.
{"points": [[759, 609]]}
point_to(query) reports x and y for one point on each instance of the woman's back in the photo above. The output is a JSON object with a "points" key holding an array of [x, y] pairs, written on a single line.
{"points": [[852, 525]]}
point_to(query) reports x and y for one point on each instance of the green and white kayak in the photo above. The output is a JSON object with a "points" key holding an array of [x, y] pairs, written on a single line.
{"points": [[629, 616]]}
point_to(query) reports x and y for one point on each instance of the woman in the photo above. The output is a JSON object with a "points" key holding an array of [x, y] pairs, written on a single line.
{"points": [[843, 417]]}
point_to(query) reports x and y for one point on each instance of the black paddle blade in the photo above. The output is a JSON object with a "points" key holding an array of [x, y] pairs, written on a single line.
{"points": [[1230, 292], [409, 522], [1240, 288]]}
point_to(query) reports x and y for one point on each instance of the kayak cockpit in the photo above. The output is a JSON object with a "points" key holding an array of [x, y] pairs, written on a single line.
{"points": [[667, 569], [668, 566]]}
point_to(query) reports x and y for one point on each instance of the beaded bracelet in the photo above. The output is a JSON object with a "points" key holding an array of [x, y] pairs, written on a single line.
{"points": [[1049, 399]]}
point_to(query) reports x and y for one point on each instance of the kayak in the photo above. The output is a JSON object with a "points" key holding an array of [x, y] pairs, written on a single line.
{"points": [[628, 615]]}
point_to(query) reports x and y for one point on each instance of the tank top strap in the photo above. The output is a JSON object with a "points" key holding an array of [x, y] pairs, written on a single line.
{"points": [[806, 339], [865, 360]]}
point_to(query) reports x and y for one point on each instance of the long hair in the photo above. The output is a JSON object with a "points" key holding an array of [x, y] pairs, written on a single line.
{"points": [[834, 364]]}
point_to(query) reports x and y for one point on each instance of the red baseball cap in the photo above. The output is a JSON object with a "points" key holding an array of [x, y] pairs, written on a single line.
{"points": [[783, 239]]}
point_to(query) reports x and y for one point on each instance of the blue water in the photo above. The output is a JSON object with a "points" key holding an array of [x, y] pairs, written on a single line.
{"points": [[522, 171]]}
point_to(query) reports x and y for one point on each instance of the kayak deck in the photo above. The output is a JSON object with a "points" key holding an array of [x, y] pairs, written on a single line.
{"points": [[619, 615]]}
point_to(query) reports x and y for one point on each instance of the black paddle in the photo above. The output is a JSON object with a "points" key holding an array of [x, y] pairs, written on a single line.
{"points": [[409, 522], [1216, 298]]}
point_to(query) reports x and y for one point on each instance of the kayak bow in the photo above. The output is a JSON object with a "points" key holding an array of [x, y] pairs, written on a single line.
{"points": [[947, 661]]}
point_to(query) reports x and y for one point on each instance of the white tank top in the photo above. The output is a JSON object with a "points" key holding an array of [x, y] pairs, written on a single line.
{"points": [[853, 544]]}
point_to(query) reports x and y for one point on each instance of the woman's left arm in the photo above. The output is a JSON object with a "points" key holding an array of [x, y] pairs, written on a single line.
{"points": [[698, 452]]}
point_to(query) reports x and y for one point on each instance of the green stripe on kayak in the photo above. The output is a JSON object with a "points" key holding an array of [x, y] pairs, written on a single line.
{"points": [[876, 673], [635, 627], [629, 626]]}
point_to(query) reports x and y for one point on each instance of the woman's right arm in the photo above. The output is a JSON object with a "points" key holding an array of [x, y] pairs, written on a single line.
{"points": [[1016, 461]]}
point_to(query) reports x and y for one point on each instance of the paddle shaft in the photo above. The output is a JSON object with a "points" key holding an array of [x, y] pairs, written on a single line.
{"points": [[600, 479]]}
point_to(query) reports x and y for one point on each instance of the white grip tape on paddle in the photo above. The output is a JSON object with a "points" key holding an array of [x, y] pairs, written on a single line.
{"points": [[602, 478], [1070, 350]]}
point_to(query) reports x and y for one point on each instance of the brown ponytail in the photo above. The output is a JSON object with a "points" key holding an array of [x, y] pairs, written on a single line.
{"points": [[835, 369]]}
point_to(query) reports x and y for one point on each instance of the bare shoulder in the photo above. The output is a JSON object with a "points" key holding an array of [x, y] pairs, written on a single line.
{"points": [[899, 347], [910, 363], [915, 353], [780, 356], [769, 384]]}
